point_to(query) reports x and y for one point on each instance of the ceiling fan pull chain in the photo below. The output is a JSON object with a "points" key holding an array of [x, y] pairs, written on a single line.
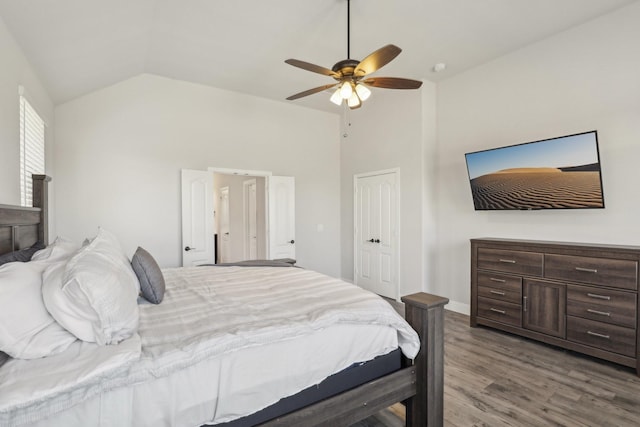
{"points": [[346, 122]]}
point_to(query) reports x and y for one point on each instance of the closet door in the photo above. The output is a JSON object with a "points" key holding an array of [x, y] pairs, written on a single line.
{"points": [[376, 233]]}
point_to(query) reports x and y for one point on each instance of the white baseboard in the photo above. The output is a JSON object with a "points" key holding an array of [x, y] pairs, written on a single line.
{"points": [[458, 307]]}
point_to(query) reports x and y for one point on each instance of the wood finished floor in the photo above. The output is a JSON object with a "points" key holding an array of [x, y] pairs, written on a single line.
{"points": [[495, 379]]}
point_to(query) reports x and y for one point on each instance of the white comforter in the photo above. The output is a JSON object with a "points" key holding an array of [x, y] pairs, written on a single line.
{"points": [[207, 312]]}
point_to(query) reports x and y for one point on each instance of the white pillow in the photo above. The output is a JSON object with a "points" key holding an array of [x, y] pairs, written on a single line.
{"points": [[27, 331], [60, 249], [95, 295]]}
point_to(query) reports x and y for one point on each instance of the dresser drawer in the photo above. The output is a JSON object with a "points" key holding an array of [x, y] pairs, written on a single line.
{"points": [[519, 262], [602, 335], [500, 311], [604, 305], [500, 287], [614, 273]]}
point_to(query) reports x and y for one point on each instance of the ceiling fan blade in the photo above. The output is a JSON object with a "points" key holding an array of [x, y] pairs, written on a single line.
{"points": [[311, 67], [392, 83], [311, 91], [377, 60]]}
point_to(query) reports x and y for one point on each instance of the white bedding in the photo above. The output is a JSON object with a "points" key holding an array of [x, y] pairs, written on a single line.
{"points": [[213, 325]]}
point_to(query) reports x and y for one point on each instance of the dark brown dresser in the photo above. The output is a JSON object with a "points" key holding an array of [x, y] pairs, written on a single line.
{"points": [[582, 297]]}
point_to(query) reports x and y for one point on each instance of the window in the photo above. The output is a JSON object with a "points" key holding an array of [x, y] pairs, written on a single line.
{"points": [[31, 149]]}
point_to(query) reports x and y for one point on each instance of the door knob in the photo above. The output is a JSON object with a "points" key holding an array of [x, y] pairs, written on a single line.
{"points": [[187, 248], [292, 241], [370, 240]]}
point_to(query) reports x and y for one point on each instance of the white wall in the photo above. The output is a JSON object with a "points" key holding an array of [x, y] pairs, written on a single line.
{"points": [[583, 79], [16, 71], [120, 150], [429, 188], [386, 133]]}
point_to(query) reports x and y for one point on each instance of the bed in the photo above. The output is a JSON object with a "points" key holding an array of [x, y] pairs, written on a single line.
{"points": [[350, 393]]}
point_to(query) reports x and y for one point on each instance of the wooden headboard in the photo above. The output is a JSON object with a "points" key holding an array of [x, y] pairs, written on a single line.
{"points": [[21, 227]]}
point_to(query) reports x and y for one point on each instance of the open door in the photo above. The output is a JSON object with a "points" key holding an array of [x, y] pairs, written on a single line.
{"points": [[224, 226], [282, 217], [197, 218], [250, 219]]}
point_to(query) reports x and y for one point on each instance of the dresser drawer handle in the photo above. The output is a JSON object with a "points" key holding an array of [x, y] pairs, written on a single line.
{"points": [[508, 261], [495, 310], [493, 279], [601, 313], [587, 270], [605, 297], [595, 334], [497, 293]]}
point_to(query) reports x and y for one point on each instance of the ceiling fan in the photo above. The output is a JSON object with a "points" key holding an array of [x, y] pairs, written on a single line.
{"points": [[351, 75]]}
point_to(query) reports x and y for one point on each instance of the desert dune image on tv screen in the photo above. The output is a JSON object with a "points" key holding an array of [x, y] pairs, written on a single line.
{"points": [[560, 173]]}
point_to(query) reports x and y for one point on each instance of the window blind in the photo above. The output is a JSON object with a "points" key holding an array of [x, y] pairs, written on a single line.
{"points": [[31, 149]]}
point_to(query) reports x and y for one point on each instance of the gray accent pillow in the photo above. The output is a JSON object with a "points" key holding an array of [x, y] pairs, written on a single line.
{"points": [[149, 275], [23, 255]]}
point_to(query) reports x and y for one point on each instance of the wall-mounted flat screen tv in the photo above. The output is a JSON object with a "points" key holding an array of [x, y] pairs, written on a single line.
{"points": [[556, 173]]}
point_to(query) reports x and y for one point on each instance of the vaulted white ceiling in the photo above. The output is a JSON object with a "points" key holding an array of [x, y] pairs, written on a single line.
{"points": [[78, 46]]}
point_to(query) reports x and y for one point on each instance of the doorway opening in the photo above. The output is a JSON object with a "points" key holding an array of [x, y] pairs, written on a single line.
{"points": [[240, 217], [234, 215]]}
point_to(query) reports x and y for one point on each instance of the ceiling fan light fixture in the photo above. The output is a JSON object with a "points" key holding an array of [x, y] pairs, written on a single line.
{"points": [[346, 90], [336, 98], [363, 92], [351, 76], [354, 101]]}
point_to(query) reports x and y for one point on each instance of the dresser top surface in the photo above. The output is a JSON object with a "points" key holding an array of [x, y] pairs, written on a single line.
{"points": [[557, 244]]}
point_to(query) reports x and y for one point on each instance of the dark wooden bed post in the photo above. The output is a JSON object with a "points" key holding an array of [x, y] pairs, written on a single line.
{"points": [[425, 314], [419, 385], [41, 200]]}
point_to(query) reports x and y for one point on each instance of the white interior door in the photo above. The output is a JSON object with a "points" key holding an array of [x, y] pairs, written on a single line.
{"points": [[366, 249], [197, 217], [282, 225], [376, 233], [250, 220], [224, 236]]}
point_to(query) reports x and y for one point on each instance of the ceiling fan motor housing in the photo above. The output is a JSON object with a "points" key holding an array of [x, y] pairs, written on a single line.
{"points": [[345, 68]]}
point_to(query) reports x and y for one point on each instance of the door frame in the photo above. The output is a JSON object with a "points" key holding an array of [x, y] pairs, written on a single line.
{"points": [[395, 171]]}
